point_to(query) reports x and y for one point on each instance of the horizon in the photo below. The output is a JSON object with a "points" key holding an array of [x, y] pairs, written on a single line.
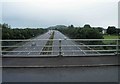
{"points": [[64, 25], [58, 25]]}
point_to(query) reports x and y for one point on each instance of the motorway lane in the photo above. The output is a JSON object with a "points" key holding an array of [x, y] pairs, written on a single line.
{"points": [[70, 48], [56, 44], [66, 50], [27, 46]]}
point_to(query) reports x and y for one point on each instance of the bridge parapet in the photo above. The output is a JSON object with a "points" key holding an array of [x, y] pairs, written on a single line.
{"points": [[62, 47]]}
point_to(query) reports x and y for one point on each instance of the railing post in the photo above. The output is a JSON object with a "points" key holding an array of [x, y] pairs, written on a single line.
{"points": [[0, 41], [117, 47], [60, 52]]}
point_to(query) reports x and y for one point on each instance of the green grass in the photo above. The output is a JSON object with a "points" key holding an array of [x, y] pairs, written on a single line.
{"points": [[49, 43], [110, 37]]}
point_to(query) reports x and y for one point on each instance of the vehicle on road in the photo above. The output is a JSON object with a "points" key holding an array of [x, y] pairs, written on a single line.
{"points": [[33, 44], [65, 38]]}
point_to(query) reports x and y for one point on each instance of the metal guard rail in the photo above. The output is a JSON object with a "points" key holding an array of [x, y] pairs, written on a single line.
{"points": [[88, 49]]}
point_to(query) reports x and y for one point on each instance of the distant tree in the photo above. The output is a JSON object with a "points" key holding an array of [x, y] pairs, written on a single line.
{"points": [[118, 31], [6, 26], [71, 26], [8, 33], [111, 30], [90, 33], [100, 29], [82, 33], [87, 26], [0, 25]]}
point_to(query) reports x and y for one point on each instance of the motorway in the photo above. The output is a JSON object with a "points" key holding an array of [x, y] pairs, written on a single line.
{"points": [[66, 49], [27, 46], [57, 69]]}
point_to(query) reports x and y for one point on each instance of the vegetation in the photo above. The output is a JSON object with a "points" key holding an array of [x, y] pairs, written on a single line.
{"points": [[111, 36], [9, 33], [86, 32], [112, 33], [111, 30], [48, 45]]}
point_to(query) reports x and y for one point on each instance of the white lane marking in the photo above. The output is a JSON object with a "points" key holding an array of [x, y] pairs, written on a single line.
{"points": [[75, 45], [28, 53], [78, 47], [18, 53], [70, 47], [25, 44]]}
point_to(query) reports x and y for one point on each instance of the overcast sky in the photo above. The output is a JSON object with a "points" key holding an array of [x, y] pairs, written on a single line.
{"points": [[45, 13]]}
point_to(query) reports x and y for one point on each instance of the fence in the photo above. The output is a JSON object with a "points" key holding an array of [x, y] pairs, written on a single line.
{"points": [[60, 47]]}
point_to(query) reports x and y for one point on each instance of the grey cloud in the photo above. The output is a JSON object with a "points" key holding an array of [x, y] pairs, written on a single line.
{"points": [[45, 15]]}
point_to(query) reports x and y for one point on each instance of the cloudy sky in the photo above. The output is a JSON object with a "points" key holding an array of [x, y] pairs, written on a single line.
{"points": [[45, 13]]}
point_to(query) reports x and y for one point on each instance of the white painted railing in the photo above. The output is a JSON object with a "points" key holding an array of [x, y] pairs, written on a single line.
{"points": [[60, 47]]}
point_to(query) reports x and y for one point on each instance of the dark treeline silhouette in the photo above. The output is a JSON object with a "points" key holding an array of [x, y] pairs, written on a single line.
{"points": [[111, 30], [86, 32], [16, 33], [9, 33]]}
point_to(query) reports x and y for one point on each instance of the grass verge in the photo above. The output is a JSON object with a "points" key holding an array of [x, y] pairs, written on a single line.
{"points": [[110, 37], [48, 46]]}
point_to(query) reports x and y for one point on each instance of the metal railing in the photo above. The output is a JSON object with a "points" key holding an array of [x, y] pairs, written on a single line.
{"points": [[60, 47]]}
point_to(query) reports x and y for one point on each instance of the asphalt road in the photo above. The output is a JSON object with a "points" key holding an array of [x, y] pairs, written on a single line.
{"points": [[79, 73], [68, 47], [27, 46]]}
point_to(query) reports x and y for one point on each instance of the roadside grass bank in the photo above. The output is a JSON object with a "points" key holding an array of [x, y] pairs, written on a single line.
{"points": [[110, 37]]}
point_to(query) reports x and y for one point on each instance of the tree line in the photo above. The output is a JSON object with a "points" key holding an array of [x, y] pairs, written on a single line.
{"points": [[16, 33], [111, 30], [88, 32]]}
